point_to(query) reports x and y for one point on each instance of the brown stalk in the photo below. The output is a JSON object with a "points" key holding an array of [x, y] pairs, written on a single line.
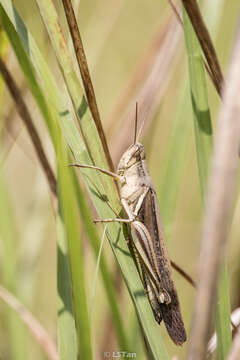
{"points": [[193, 11], [37, 330], [219, 204], [175, 10], [183, 273], [87, 82], [26, 117]]}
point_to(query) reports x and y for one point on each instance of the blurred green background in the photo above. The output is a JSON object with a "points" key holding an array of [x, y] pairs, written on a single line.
{"points": [[117, 37]]}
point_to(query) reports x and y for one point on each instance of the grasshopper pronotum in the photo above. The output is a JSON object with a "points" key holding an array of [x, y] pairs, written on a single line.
{"points": [[139, 200]]}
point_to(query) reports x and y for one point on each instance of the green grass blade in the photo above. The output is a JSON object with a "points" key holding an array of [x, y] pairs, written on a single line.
{"points": [[80, 309], [94, 240], [69, 213], [82, 111], [223, 320], [175, 159], [106, 185], [27, 68], [16, 332], [65, 318], [67, 341], [203, 139], [94, 286], [3, 50], [9, 238], [199, 97]]}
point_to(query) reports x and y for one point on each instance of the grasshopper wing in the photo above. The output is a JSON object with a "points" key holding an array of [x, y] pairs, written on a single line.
{"points": [[170, 313]]}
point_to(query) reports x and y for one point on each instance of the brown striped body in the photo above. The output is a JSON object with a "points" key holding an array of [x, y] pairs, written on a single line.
{"points": [[140, 202]]}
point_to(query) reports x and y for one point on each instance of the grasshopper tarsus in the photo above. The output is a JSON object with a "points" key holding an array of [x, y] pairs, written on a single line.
{"points": [[113, 220]]}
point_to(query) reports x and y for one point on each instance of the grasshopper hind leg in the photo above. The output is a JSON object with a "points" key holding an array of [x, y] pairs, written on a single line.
{"points": [[152, 297]]}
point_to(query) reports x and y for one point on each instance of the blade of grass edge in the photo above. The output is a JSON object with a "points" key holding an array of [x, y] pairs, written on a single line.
{"points": [[69, 214]]}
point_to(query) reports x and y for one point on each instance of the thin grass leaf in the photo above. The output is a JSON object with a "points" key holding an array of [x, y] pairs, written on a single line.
{"points": [[27, 68], [87, 126], [24, 113], [9, 270], [213, 240], [93, 237], [199, 97], [3, 50], [90, 135], [67, 339], [32, 323], [9, 239], [69, 214], [203, 137], [76, 272], [193, 11], [223, 320], [175, 158], [92, 297], [85, 75]]}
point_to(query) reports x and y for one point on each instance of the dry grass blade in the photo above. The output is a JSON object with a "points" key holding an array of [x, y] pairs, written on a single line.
{"points": [[218, 208], [32, 323], [175, 10], [193, 11], [183, 273], [26, 117], [87, 82]]}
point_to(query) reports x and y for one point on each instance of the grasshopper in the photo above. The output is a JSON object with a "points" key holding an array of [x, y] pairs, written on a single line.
{"points": [[139, 200]]}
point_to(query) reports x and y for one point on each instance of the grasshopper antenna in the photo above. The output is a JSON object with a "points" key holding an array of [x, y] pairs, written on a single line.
{"points": [[140, 131], [135, 130]]}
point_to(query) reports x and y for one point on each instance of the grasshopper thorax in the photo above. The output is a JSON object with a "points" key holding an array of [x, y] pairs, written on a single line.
{"points": [[133, 155]]}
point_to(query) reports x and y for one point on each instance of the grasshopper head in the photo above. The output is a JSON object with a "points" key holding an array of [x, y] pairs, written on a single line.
{"points": [[134, 154]]}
